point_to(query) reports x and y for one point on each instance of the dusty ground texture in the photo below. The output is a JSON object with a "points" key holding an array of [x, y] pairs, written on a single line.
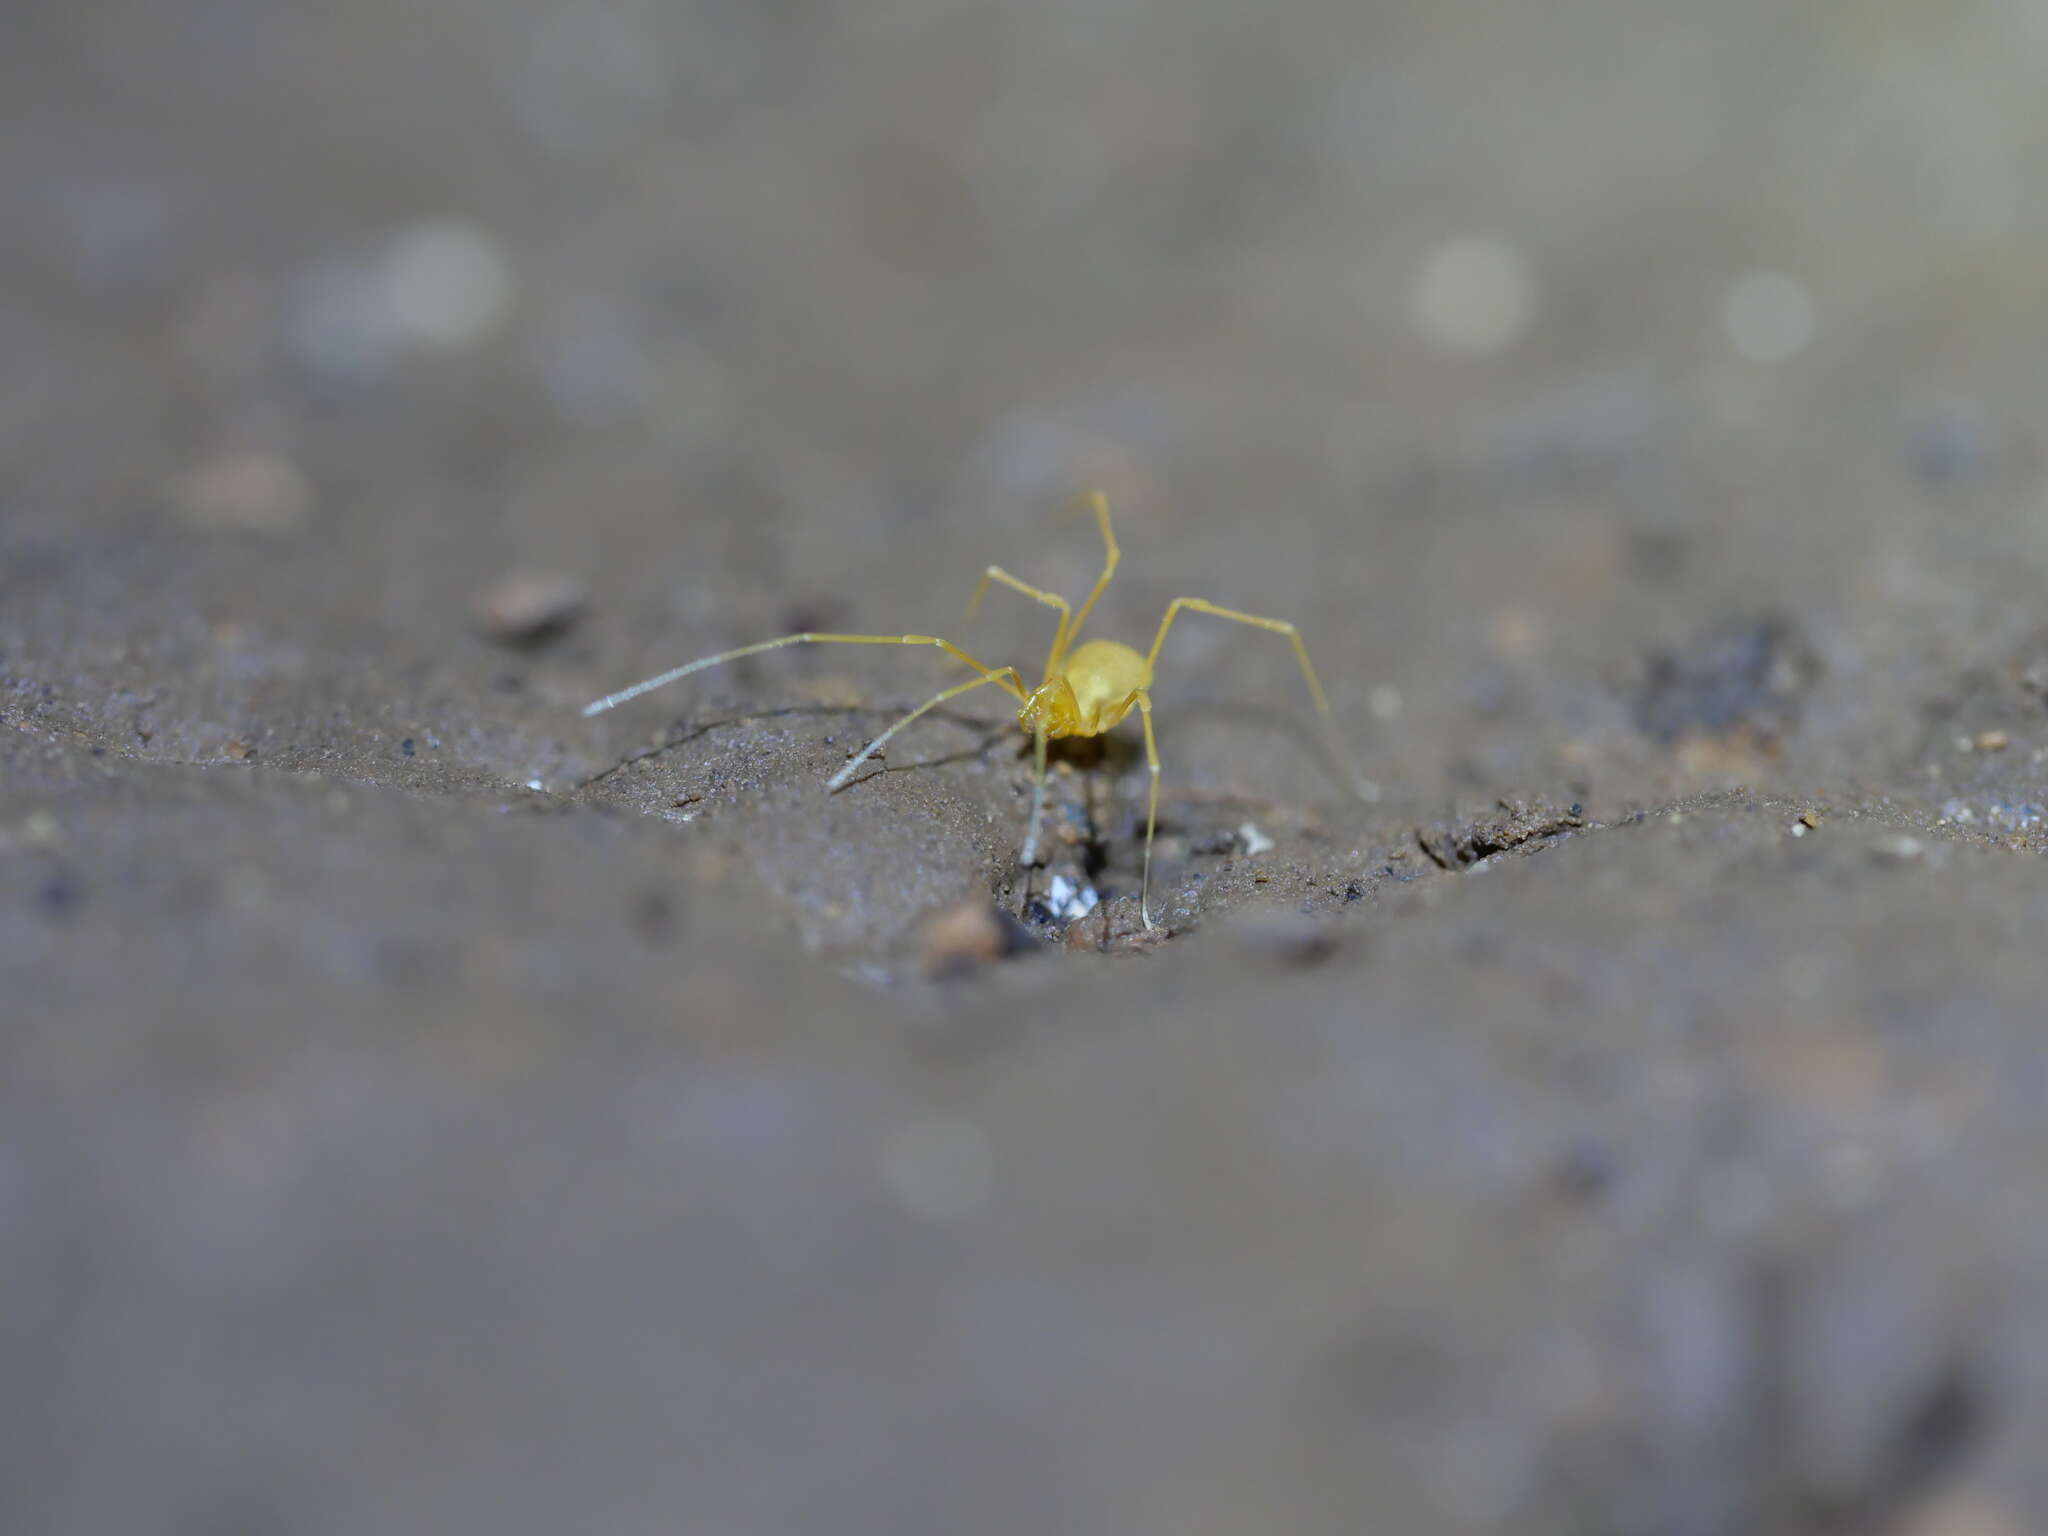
{"points": [[424, 1109]]}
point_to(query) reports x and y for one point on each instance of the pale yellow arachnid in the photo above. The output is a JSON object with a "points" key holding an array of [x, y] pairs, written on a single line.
{"points": [[1087, 686]]}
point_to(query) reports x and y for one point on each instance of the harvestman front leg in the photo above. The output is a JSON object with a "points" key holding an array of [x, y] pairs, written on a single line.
{"points": [[1151, 806], [1050, 599], [1029, 856], [1359, 785], [1006, 675]]}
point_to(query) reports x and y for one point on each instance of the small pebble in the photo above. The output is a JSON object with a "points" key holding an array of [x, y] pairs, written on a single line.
{"points": [[1255, 842], [246, 492], [1992, 741], [971, 935], [1087, 936], [1809, 819], [239, 750], [530, 608], [1068, 900]]}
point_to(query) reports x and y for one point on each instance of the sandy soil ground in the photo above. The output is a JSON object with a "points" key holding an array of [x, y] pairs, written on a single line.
{"points": [[424, 1108]]}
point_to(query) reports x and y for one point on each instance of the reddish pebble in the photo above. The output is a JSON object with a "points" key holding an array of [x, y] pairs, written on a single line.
{"points": [[528, 609], [971, 935]]}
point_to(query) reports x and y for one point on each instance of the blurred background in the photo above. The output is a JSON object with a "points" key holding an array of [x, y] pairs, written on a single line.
{"points": [[1493, 348], [425, 1109]]}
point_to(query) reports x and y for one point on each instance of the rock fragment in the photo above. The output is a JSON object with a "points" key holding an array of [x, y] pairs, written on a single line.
{"points": [[969, 936], [531, 608]]}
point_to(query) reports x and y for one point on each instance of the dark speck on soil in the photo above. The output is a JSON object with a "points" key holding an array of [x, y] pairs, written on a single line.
{"points": [[656, 917], [59, 896], [1586, 1170], [1750, 677]]}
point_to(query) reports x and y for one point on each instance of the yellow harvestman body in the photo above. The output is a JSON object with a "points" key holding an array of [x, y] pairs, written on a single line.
{"points": [[1086, 688]]}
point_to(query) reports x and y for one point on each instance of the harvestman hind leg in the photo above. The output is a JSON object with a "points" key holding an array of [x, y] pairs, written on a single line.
{"points": [[1359, 786], [1007, 676], [1099, 505]]}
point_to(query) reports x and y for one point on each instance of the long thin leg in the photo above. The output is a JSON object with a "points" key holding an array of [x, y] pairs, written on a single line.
{"points": [[1029, 856], [1050, 599], [1151, 807], [663, 679], [1359, 785], [1099, 504], [839, 780], [1278, 626]]}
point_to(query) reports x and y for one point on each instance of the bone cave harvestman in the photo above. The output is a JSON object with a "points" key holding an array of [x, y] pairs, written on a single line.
{"points": [[1087, 687]]}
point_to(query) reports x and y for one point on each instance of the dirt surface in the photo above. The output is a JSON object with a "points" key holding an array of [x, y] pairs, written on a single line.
{"points": [[423, 1108]]}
